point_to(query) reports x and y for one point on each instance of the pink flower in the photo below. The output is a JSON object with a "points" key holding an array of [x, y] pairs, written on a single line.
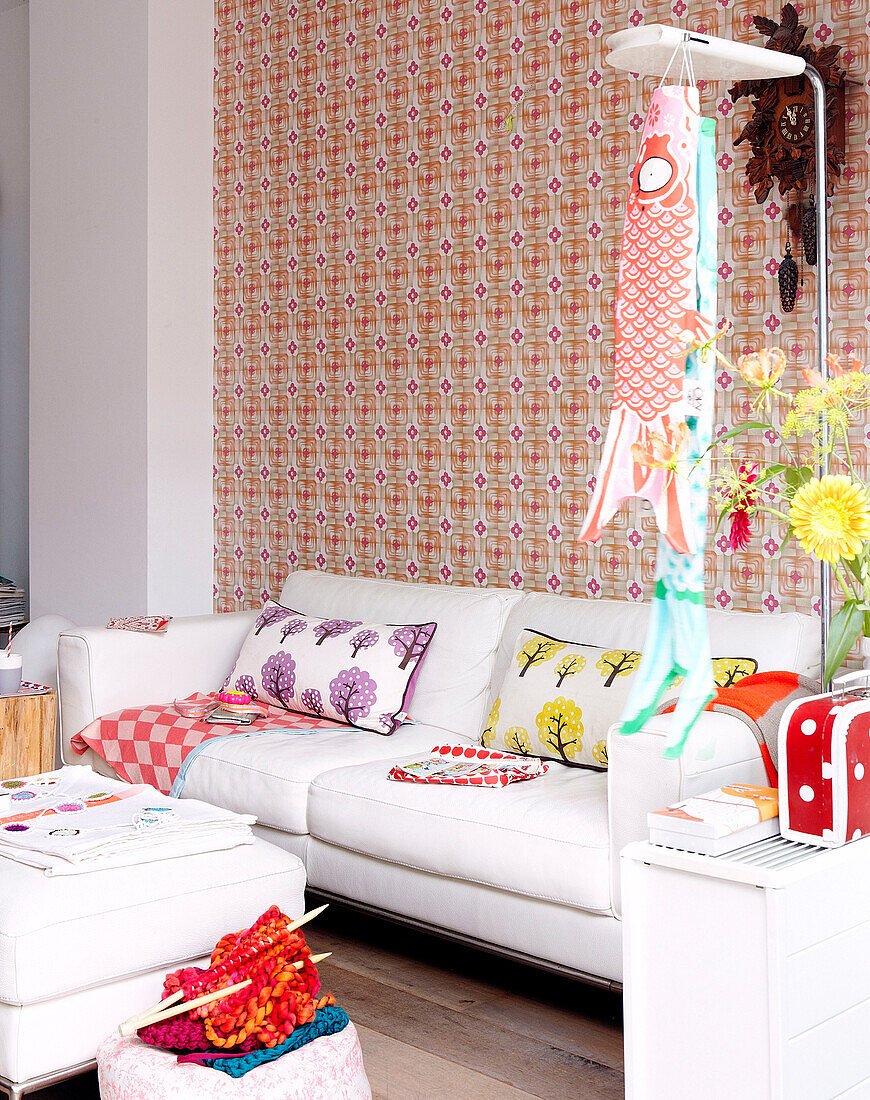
{"points": [[743, 497], [741, 532]]}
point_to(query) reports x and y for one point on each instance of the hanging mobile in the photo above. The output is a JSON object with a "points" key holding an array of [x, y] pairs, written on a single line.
{"points": [[808, 233], [788, 280]]}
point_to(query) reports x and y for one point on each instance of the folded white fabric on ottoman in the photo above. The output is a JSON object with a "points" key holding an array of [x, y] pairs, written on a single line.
{"points": [[74, 821]]}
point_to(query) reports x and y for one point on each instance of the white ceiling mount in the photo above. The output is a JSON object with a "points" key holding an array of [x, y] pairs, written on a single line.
{"points": [[648, 49]]}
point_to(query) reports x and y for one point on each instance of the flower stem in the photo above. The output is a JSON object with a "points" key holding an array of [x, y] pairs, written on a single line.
{"points": [[773, 512], [844, 429], [848, 589]]}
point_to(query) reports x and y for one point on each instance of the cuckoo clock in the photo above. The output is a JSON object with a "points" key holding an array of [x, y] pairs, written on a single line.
{"points": [[781, 132]]}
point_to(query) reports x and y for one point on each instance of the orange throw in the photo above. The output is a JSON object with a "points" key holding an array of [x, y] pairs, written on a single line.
{"points": [[760, 701]]}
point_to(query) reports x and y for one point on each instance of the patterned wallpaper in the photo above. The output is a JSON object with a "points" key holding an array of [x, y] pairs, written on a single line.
{"points": [[414, 306]]}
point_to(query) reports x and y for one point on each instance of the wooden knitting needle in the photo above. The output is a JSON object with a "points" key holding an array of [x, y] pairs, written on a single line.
{"points": [[131, 1026], [312, 959], [158, 1007], [144, 1017], [305, 918]]}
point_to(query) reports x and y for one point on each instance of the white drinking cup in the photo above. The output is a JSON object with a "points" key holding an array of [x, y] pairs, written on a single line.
{"points": [[10, 673]]}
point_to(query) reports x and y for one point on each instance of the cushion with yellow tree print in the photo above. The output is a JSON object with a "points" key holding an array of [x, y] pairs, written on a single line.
{"points": [[559, 698]]}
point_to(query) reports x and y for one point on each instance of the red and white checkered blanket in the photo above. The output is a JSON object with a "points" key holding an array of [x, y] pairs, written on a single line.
{"points": [[149, 744]]}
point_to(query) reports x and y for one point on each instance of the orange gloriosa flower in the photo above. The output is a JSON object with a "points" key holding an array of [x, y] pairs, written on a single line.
{"points": [[836, 366], [662, 452], [762, 368]]}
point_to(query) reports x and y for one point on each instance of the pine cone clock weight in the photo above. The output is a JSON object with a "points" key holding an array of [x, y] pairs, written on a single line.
{"points": [[808, 233], [788, 281]]}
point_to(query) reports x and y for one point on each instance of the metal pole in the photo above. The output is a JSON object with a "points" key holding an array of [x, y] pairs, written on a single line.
{"points": [[823, 310]]}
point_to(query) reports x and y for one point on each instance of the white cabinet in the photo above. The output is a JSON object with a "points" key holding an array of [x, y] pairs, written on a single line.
{"points": [[747, 975]]}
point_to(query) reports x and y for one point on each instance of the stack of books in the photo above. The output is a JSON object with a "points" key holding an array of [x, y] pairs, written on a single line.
{"points": [[719, 821], [13, 604]]}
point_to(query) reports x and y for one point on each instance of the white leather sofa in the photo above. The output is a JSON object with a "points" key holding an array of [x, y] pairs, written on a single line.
{"points": [[531, 869]]}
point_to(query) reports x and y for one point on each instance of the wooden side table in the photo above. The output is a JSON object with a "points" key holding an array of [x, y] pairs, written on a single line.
{"points": [[27, 734]]}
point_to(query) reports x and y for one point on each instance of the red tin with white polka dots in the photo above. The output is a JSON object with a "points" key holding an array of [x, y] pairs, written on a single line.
{"points": [[824, 768]]}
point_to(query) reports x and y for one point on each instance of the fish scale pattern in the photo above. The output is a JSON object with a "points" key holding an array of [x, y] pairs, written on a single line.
{"points": [[657, 283], [414, 360]]}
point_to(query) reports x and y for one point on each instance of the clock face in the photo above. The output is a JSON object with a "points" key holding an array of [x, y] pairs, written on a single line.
{"points": [[795, 123]]}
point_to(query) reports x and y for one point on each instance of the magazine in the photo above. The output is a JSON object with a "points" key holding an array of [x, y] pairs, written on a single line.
{"points": [[469, 766]]}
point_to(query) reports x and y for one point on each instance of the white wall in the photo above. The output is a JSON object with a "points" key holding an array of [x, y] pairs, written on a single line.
{"points": [[88, 118], [121, 307], [180, 306], [14, 276]]}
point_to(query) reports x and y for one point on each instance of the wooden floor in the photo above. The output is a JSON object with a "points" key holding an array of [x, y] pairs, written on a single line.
{"points": [[441, 1022]]}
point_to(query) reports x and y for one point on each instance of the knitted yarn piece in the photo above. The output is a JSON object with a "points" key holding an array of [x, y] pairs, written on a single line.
{"points": [[281, 994], [182, 1034], [327, 1021]]}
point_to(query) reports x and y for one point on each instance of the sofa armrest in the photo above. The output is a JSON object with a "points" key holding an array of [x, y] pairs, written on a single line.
{"points": [[640, 779], [100, 671]]}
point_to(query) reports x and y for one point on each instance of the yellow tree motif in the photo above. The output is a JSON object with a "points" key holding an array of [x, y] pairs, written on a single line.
{"points": [[599, 752], [560, 727], [617, 662], [728, 670], [487, 738], [536, 651], [570, 665], [517, 740]]}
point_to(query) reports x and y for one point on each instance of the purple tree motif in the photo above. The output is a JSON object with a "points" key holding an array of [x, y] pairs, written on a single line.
{"points": [[409, 642], [279, 677], [389, 722], [353, 693], [331, 627], [312, 700], [363, 639], [272, 613], [295, 626], [246, 683]]}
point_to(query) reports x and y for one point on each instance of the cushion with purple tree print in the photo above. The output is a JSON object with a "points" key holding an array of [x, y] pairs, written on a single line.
{"points": [[359, 674]]}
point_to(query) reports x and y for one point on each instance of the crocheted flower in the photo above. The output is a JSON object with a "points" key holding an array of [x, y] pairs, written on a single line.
{"points": [[831, 517]]}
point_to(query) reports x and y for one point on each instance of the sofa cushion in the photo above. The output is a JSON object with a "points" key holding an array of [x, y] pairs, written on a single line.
{"points": [[452, 690], [545, 838], [62, 934], [340, 668], [789, 641], [270, 775], [558, 699]]}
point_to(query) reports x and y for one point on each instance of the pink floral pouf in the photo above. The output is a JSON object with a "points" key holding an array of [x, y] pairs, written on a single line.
{"points": [[329, 1068]]}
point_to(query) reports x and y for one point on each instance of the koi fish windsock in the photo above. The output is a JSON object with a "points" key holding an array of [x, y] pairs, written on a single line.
{"points": [[677, 645], [657, 317]]}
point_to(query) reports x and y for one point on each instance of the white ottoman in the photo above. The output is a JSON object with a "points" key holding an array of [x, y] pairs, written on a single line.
{"points": [[329, 1068], [81, 953]]}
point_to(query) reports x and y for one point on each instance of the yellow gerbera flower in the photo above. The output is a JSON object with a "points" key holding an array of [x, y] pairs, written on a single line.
{"points": [[831, 517]]}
